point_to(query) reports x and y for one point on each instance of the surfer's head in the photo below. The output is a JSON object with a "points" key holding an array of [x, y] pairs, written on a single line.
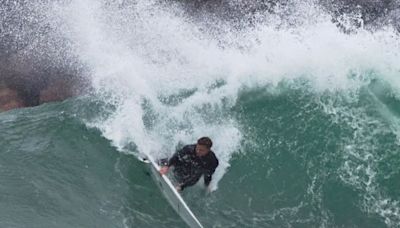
{"points": [[203, 146]]}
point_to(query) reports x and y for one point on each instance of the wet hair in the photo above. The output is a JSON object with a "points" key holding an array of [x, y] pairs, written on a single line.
{"points": [[205, 141]]}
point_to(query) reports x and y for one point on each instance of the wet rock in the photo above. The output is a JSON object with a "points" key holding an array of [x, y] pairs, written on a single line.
{"points": [[57, 90], [9, 99]]}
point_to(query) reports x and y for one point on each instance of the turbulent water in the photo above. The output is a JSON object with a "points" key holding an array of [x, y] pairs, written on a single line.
{"points": [[304, 119]]}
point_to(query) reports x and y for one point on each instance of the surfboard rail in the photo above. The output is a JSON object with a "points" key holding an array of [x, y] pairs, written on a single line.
{"points": [[172, 195]]}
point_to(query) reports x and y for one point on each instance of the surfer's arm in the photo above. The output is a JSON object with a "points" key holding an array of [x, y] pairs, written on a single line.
{"points": [[207, 178], [209, 172], [174, 159]]}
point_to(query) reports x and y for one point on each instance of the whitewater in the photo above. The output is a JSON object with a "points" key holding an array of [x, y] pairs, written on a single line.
{"points": [[304, 117]]}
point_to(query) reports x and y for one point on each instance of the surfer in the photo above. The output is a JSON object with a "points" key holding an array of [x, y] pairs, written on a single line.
{"points": [[191, 162]]}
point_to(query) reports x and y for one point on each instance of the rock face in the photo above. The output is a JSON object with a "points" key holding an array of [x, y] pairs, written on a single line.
{"points": [[9, 99], [56, 91], [24, 83], [27, 82], [12, 96], [18, 92]]}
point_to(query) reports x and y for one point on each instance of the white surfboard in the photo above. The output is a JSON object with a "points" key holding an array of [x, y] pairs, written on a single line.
{"points": [[172, 196]]}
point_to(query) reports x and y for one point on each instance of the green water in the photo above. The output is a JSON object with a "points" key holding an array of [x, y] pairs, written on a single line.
{"points": [[307, 159]]}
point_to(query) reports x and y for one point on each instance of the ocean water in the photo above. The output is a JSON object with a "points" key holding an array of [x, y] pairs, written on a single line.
{"points": [[304, 119]]}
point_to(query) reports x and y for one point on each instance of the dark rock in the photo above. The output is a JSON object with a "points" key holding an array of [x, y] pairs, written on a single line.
{"points": [[9, 99], [57, 90]]}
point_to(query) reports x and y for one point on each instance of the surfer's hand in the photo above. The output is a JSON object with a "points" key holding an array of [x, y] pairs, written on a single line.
{"points": [[164, 170], [178, 188]]}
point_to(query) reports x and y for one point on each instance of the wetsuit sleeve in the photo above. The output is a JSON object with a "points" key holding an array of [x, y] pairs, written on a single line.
{"points": [[174, 160], [209, 171]]}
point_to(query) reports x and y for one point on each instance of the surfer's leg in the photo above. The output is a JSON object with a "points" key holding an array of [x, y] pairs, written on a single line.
{"points": [[189, 181], [180, 178], [179, 175]]}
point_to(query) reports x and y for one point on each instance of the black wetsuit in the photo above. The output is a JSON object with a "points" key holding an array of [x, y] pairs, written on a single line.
{"points": [[188, 167]]}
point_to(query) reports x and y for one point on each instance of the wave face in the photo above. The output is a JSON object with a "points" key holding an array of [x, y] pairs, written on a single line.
{"points": [[304, 116]]}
